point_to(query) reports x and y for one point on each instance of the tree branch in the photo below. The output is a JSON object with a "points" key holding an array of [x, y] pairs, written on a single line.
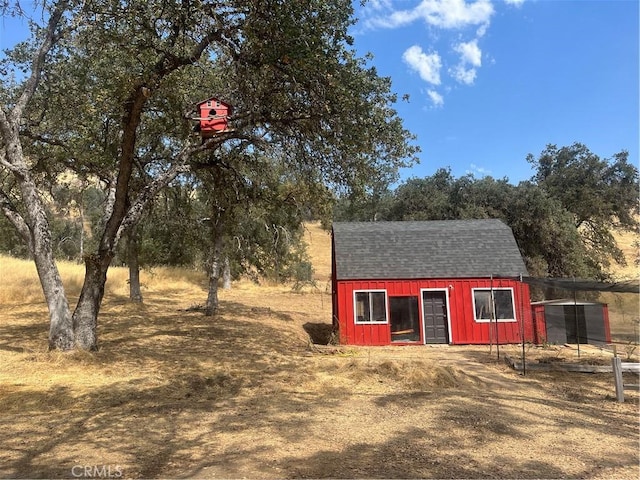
{"points": [[150, 191], [38, 61], [9, 210]]}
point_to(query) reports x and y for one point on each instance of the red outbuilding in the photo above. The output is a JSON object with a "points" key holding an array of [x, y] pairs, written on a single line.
{"points": [[571, 321], [213, 117], [451, 282]]}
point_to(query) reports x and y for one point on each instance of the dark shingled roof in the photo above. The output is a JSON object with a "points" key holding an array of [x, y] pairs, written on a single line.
{"points": [[435, 249]]}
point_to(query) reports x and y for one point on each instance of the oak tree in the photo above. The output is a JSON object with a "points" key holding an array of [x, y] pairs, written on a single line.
{"points": [[106, 89], [602, 195]]}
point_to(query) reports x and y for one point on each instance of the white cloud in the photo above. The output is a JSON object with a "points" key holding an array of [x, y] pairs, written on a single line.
{"points": [[470, 53], [436, 98], [379, 4], [464, 75], [427, 65], [455, 13], [470, 60], [462, 59], [475, 169], [515, 3], [482, 30], [448, 14]]}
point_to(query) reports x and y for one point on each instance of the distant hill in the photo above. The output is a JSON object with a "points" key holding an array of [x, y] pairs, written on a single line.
{"points": [[628, 243], [319, 250]]}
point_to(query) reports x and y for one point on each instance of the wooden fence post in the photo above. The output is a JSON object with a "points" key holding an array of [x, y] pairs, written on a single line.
{"points": [[616, 363], [618, 368]]}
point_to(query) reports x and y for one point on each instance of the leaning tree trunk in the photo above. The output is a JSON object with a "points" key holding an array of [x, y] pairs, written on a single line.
{"points": [[85, 316], [135, 293], [37, 232], [60, 323], [34, 226]]}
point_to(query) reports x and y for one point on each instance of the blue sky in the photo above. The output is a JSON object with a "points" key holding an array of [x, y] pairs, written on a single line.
{"points": [[490, 81]]}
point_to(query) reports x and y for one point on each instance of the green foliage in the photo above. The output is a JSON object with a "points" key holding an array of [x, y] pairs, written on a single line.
{"points": [[370, 206], [302, 274], [424, 199], [10, 241], [562, 220], [66, 238], [286, 67], [111, 111], [546, 235], [600, 194], [594, 190], [171, 232], [269, 235]]}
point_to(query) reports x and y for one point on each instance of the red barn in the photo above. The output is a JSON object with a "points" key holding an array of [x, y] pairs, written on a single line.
{"points": [[452, 281], [213, 116]]}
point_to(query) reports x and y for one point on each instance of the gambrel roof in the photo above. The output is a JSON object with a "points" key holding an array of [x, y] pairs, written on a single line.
{"points": [[433, 249]]}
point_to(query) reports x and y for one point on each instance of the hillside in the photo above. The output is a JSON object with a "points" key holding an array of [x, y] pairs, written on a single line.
{"points": [[319, 249], [628, 243]]}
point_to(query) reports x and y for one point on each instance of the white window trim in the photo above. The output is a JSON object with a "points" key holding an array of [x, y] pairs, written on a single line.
{"points": [[499, 320], [386, 305]]}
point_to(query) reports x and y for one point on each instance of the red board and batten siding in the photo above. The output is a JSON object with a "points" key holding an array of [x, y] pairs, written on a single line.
{"points": [[463, 327], [537, 312]]}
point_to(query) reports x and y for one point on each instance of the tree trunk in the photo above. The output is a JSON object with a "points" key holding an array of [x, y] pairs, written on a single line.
{"points": [[212, 298], [215, 264], [81, 327], [39, 242], [34, 226], [35, 230], [60, 323], [81, 229], [135, 293], [226, 274], [85, 316]]}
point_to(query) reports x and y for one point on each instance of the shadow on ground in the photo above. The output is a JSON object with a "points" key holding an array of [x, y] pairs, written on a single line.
{"points": [[174, 394]]}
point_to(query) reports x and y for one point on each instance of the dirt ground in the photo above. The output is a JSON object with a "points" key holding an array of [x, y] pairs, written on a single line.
{"points": [[173, 394]]}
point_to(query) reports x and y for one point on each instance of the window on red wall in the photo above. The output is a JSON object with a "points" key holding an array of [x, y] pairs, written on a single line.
{"points": [[370, 306], [502, 300]]}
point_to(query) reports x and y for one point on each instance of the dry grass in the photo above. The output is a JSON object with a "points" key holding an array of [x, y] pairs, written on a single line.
{"points": [[173, 394], [627, 241], [319, 249]]}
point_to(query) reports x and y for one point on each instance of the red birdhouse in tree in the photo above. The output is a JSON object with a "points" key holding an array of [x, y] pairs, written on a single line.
{"points": [[213, 117]]}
